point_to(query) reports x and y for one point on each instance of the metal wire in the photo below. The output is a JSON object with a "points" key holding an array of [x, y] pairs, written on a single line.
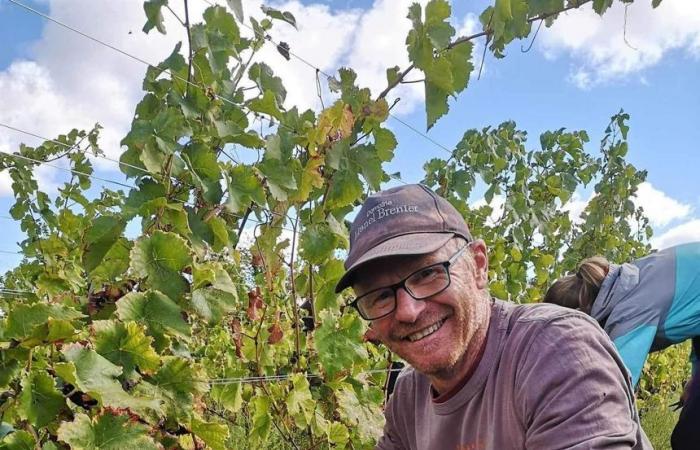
{"points": [[275, 378], [73, 171]]}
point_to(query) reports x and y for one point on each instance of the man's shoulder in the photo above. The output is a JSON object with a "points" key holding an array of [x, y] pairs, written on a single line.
{"points": [[542, 321], [543, 314]]}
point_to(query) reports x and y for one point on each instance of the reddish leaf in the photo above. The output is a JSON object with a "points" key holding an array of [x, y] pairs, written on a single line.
{"points": [[255, 302], [275, 334], [235, 326]]}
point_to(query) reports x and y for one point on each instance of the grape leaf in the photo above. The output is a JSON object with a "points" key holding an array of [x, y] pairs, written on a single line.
{"points": [[105, 432], [279, 15], [160, 259], [213, 434], [22, 319], [40, 401], [244, 188], [126, 345], [96, 376], [161, 315], [177, 382], [154, 15]]}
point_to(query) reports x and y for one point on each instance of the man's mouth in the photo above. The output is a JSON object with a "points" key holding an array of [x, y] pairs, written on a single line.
{"points": [[425, 331]]}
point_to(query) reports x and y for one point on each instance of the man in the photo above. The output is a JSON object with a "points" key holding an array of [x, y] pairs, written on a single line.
{"points": [[485, 374]]}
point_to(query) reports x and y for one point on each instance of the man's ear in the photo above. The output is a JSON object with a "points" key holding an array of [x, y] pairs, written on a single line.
{"points": [[480, 258]]}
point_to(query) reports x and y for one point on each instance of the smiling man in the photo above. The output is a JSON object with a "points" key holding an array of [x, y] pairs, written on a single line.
{"points": [[485, 374]]}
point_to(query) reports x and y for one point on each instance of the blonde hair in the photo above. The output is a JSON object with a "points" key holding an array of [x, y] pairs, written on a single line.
{"points": [[579, 291]]}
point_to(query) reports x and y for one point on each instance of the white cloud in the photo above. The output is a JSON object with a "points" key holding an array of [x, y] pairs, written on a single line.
{"points": [[686, 232], [497, 204], [659, 207], [575, 207], [597, 44], [5, 184]]}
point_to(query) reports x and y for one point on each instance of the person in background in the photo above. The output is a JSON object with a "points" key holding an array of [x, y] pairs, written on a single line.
{"points": [[485, 374], [645, 306]]}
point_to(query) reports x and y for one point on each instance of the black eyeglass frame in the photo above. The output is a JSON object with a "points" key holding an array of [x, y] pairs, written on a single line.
{"points": [[402, 284]]}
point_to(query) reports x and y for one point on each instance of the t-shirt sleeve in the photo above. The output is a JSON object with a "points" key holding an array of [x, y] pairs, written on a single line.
{"points": [[391, 440], [574, 390]]}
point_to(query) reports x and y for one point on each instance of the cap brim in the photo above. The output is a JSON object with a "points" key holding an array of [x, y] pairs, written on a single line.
{"points": [[407, 244]]}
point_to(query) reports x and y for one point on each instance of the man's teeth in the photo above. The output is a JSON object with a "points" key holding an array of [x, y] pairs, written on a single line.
{"points": [[426, 332]]}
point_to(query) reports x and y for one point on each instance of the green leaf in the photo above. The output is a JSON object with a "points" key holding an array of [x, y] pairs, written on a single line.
{"points": [[22, 319], [338, 342], [266, 105], [178, 381], [126, 345], [96, 376], [154, 16], [392, 75], [263, 76], [317, 243], [435, 103], [538, 7], [279, 15], [366, 418], [384, 143], [212, 304], [213, 434], [600, 6], [244, 188], [503, 9], [346, 188], [18, 440], [161, 315], [228, 395], [215, 294], [105, 432], [420, 49], [300, 403], [262, 418], [338, 434], [237, 8], [655, 3], [205, 171], [438, 29], [160, 259], [279, 177], [114, 263], [328, 276], [460, 64], [365, 156], [103, 235], [40, 401]]}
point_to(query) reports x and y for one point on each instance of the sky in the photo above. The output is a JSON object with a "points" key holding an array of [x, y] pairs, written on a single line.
{"points": [[576, 75]]}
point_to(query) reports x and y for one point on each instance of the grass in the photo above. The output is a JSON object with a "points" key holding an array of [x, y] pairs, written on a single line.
{"points": [[658, 422]]}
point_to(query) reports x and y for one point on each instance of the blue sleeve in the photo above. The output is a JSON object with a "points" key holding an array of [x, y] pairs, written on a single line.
{"points": [[634, 347]]}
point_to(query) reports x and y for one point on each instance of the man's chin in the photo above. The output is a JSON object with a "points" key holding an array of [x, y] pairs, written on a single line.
{"points": [[432, 365]]}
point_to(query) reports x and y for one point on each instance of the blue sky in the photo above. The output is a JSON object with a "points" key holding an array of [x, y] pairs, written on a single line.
{"points": [[576, 76]]}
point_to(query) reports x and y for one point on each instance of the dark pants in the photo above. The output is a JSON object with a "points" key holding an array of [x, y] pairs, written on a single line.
{"points": [[686, 435]]}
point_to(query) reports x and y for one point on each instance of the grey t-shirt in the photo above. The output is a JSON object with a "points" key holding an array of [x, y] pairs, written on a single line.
{"points": [[549, 378]]}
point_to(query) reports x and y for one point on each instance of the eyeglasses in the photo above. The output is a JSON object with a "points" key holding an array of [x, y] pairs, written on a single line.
{"points": [[421, 284]]}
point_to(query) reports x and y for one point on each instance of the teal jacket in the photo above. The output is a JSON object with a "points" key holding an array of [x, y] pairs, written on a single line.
{"points": [[651, 303]]}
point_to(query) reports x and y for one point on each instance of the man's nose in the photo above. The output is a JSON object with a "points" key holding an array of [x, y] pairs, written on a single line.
{"points": [[408, 309]]}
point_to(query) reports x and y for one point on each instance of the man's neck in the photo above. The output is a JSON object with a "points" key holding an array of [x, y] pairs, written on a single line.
{"points": [[448, 380]]}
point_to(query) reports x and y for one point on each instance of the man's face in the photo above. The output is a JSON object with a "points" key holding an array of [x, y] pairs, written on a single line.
{"points": [[432, 334]]}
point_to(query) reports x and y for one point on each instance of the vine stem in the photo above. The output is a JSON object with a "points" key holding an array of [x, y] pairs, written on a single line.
{"points": [[295, 308], [189, 43], [469, 38]]}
